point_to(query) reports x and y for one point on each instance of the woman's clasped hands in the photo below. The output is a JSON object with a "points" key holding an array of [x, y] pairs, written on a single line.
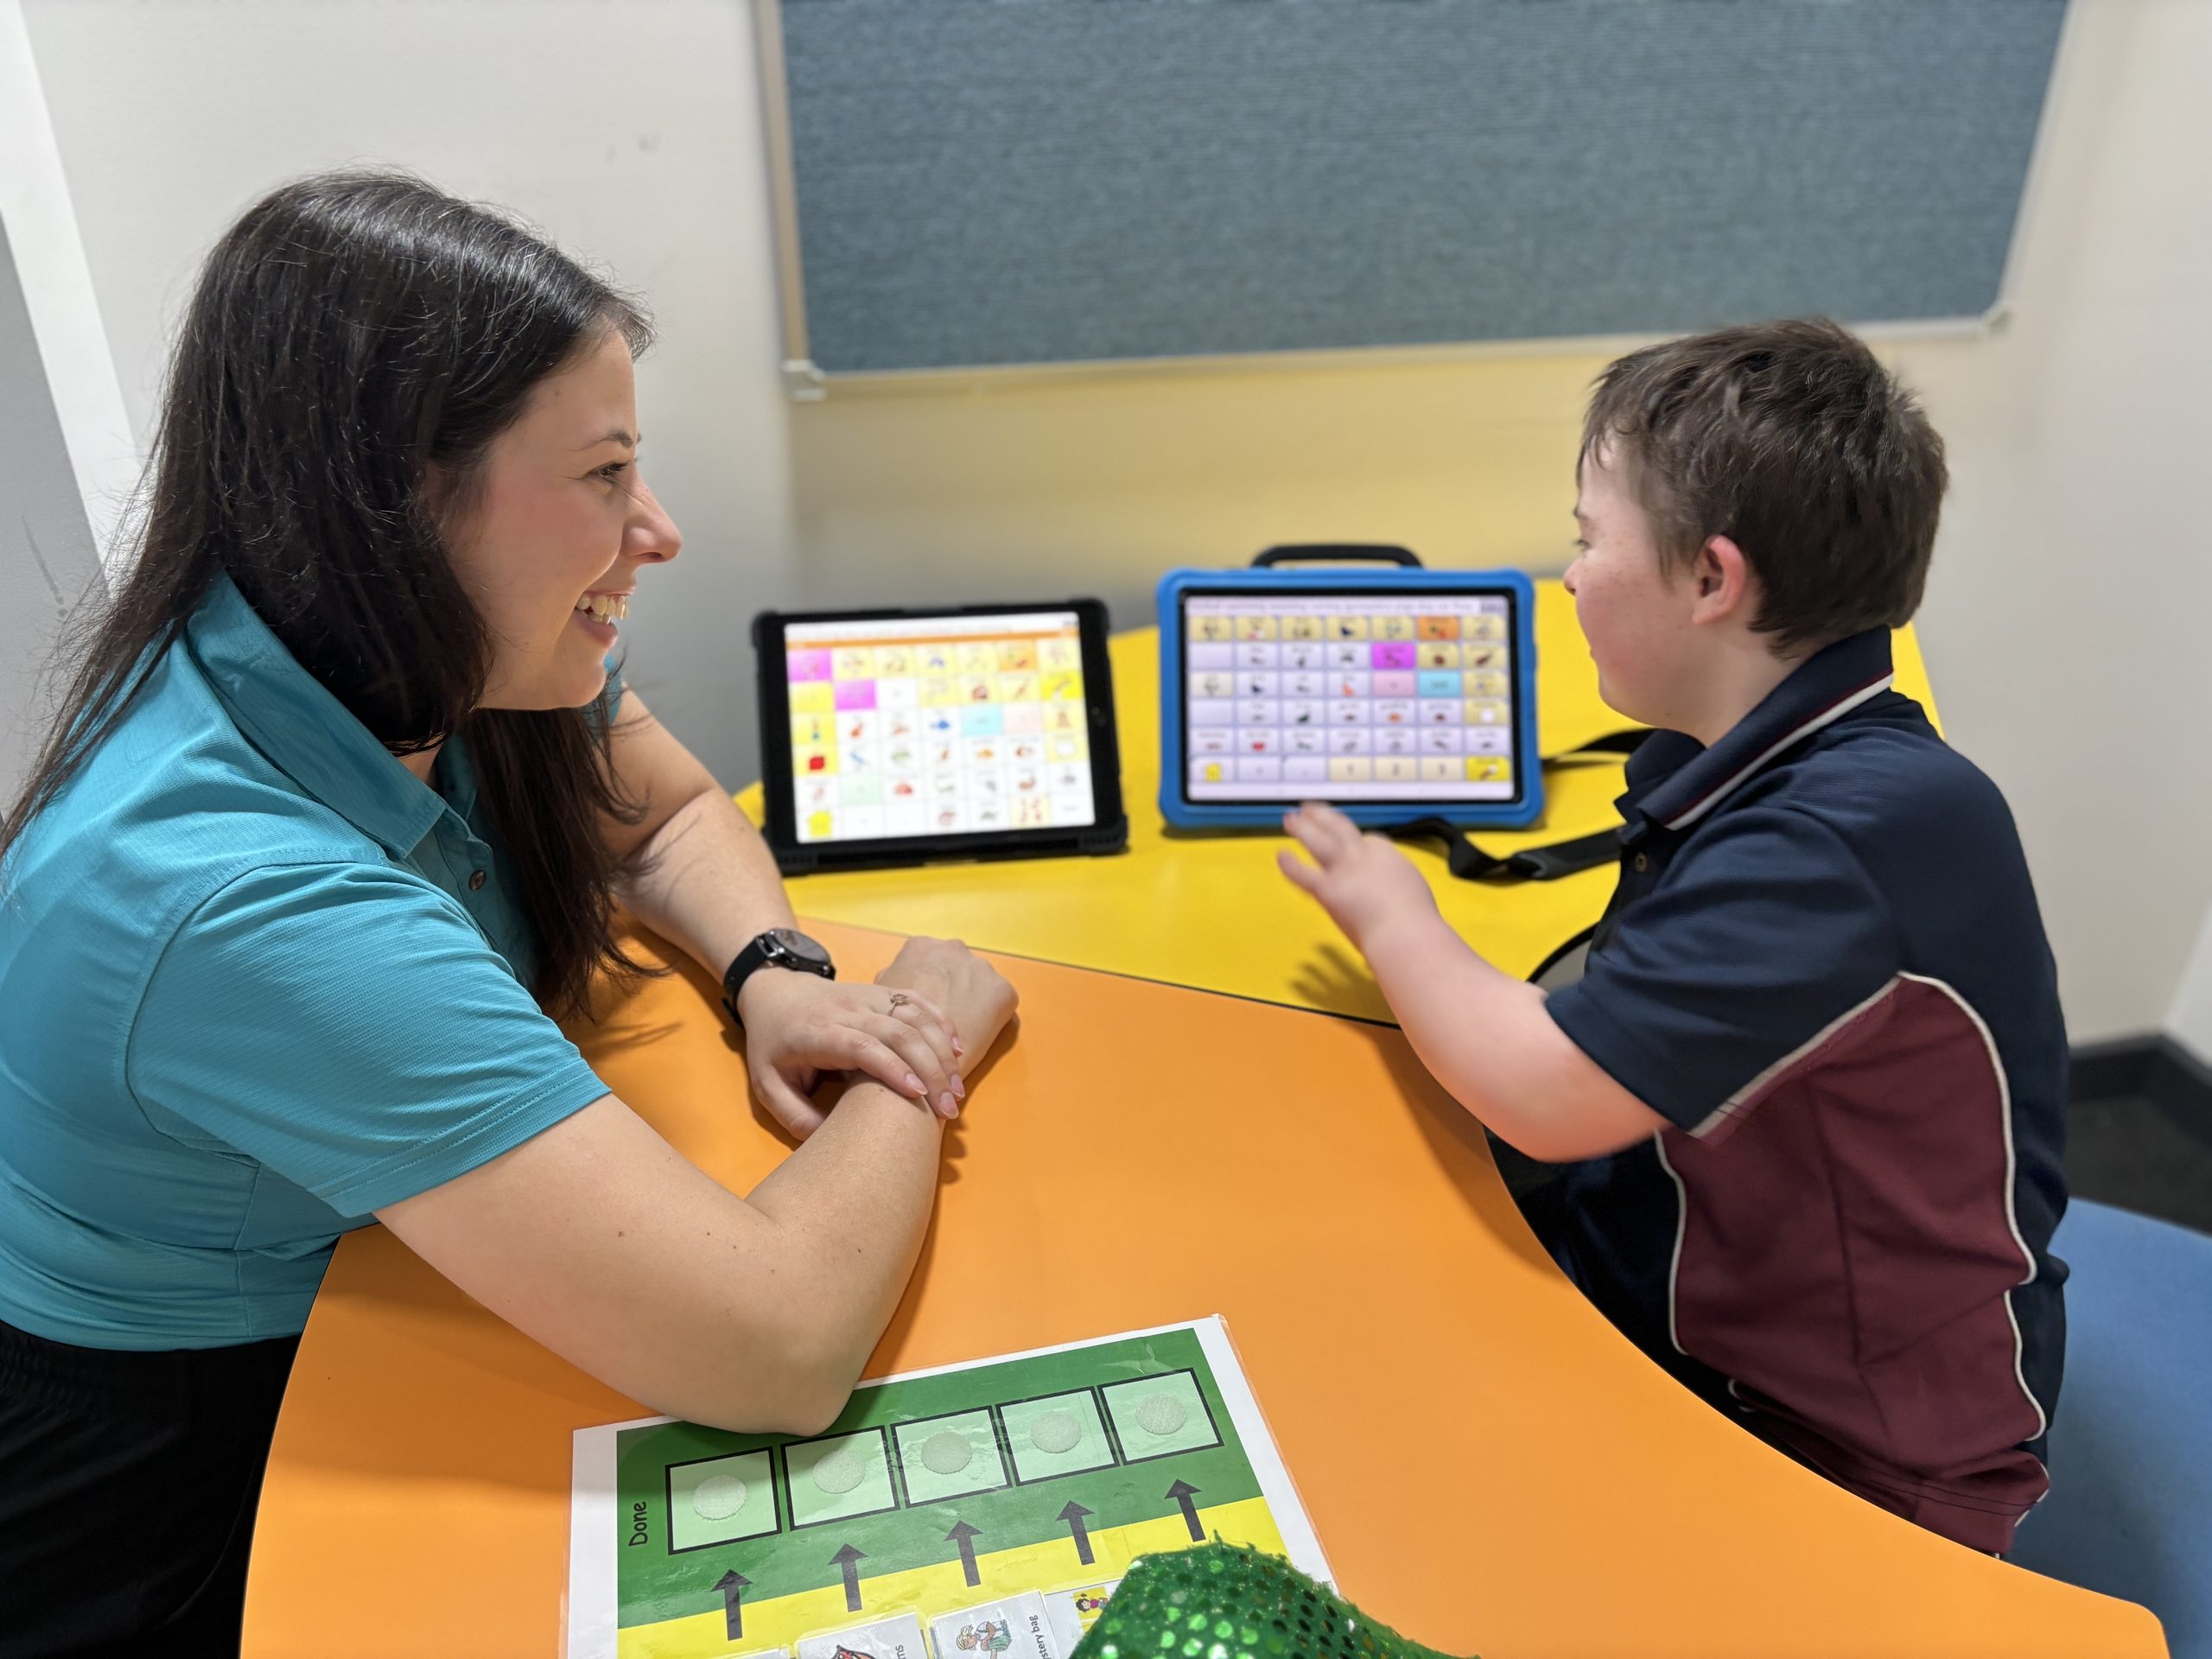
{"points": [[934, 1011]]}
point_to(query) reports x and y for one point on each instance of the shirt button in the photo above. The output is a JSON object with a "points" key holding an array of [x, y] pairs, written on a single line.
{"points": [[476, 880], [1643, 864]]}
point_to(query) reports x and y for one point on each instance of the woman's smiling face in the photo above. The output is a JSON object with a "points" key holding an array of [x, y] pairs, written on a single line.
{"points": [[558, 525]]}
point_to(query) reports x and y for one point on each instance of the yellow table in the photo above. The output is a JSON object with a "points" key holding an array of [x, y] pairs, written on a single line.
{"points": [[1211, 911]]}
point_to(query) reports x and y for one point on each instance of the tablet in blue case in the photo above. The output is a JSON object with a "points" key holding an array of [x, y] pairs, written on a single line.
{"points": [[1394, 693]]}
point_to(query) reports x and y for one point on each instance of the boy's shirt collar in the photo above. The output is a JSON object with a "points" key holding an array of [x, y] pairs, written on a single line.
{"points": [[1673, 780]]}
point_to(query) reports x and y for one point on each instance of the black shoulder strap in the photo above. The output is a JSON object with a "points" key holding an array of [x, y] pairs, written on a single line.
{"points": [[1470, 863]]}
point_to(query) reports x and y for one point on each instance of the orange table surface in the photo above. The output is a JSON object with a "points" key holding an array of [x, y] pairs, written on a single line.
{"points": [[1489, 1465]]}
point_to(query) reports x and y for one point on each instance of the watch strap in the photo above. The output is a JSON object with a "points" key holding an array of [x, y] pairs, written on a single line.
{"points": [[766, 950]]}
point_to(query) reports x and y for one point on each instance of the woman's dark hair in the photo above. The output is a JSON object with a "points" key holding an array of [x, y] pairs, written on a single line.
{"points": [[354, 344]]}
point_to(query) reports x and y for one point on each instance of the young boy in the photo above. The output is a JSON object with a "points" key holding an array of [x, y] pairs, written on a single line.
{"points": [[1810, 1089]]}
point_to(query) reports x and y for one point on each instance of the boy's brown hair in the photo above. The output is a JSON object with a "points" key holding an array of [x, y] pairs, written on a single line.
{"points": [[1795, 442]]}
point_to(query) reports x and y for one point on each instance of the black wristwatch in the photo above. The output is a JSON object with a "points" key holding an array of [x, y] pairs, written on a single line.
{"points": [[779, 947]]}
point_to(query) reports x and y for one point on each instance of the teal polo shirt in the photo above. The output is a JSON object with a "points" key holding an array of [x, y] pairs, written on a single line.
{"points": [[256, 982]]}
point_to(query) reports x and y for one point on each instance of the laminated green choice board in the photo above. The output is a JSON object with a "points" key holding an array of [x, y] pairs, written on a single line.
{"points": [[985, 1507]]}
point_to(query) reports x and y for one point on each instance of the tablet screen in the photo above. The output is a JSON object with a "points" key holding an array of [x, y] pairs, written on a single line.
{"points": [[1353, 697], [936, 726]]}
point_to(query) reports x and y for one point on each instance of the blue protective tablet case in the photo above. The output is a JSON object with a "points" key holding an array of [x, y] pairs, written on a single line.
{"points": [[1363, 580]]}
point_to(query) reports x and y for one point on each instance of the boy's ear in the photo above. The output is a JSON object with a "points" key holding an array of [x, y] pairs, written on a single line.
{"points": [[1721, 580]]}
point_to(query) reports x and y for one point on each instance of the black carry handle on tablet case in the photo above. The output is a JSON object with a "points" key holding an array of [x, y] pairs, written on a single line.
{"points": [[1337, 553], [1468, 862]]}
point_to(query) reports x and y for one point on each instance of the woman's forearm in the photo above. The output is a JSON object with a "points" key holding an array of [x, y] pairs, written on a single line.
{"points": [[600, 1240], [708, 882], [851, 1206]]}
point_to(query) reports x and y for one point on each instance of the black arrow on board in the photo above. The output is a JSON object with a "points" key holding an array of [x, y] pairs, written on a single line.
{"points": [[1073, 1515], [965, 1536], [733, 1584], [1182, 1491], [847, 1561]]}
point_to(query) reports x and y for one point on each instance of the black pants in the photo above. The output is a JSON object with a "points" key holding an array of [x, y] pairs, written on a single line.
{"points": [[127, 1483]]}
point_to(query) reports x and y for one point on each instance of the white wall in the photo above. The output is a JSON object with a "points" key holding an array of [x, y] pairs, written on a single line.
{"points": [[2065, 615], [2066, 628], [47, 560], [628, 133], [67, 456], [2190, 1019]]}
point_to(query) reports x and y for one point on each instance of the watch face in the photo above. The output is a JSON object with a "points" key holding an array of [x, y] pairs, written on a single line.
{"points": [[797, 945]]}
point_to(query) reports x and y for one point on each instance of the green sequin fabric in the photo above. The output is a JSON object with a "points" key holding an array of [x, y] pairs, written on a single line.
{"points": [[1220, 1601]]}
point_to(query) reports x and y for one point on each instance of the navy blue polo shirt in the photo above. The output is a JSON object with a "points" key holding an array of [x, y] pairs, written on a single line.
{"points": [[1825, 968]]}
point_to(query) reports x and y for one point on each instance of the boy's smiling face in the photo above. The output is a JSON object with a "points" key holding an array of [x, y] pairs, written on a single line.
{"points": [[1635, 608]]}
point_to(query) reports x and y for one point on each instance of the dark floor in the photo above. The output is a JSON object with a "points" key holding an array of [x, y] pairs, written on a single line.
{"points": [[2135, 1153]]}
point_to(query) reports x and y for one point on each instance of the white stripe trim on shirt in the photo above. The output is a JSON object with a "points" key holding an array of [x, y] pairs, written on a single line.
{"points": [[1728, 1107], [2012, 1167], [1828, 716], [1682, 1226]]}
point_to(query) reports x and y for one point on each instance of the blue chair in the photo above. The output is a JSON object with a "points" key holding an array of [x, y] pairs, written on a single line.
{"points": [[2130, 1510]]}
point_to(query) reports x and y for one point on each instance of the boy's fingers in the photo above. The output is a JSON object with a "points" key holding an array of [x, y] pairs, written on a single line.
{"points": [[1309, 836], [1336, 831], [1303, 876], [1324, 815]]}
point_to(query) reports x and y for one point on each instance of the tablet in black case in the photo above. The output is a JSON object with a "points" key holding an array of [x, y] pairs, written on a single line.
{"points": [[974, 731]]}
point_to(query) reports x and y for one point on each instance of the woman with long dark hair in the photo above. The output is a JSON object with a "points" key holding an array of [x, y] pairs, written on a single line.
{"points": [[326, 837]]}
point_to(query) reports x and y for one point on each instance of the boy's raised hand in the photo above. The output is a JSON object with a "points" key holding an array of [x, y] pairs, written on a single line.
{"points": [[1364, 882]]}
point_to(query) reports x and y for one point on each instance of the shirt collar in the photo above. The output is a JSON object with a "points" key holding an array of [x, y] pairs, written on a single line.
{"points": [[1672, 782], [455, 778], [303, 730]]}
